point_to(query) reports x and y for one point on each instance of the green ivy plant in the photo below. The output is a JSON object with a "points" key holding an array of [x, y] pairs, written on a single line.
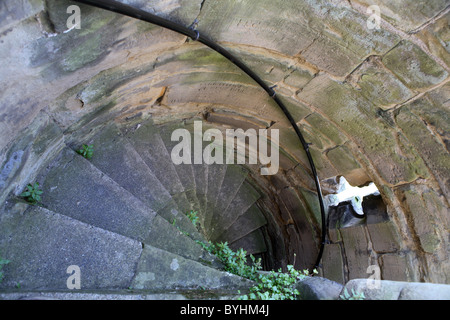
{"points": [[234, 262], [268, 286], [86, 151], [353, 296], [32, 193], [193, 216], [277, 285], [3, 262]]}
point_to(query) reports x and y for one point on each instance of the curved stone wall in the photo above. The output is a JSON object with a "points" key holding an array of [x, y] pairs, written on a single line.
{"points": [[373, 103]]}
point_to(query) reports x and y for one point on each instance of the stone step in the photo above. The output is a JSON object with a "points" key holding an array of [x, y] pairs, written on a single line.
{"points": [[246, 196], [116, 157], [234, 177], [253, 243], [74, 187], [185, 171], [148, 143], [179, 220], [160, 270], [397, 290], [216, 174], [250, 221], [42, 244], [126, 295], [201, 180]]}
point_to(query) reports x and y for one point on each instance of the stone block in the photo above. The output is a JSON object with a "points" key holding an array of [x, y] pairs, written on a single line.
{"points": [[333, 263], [433, 152], [398, 290], [42, 244], [413, 66], [158, 269], [379, 85], [13, 11], [326, 128], [422, 222], [394, 267], [433, 110], [342, 160], [356, 251], [317, 288], [435, 37], [384, 237], [253, 243], [250, 221]]}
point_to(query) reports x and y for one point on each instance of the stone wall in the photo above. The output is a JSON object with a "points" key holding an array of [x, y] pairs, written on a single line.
{"points": [[373, 103]]}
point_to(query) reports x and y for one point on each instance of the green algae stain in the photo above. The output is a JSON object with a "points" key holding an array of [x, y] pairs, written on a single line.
{"points": [[87, 52]]}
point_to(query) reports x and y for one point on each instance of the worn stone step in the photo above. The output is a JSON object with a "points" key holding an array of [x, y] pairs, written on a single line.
{"points": [[115, 156], [234, 177], [216, 174], [397, 290], [246, 196], [147, 141], [126, 295], [253, 243], [250, 221], [201, 180], [185, 171], [179, 219], [172, 238], [76, 188], [159, 270], [42, 244]]}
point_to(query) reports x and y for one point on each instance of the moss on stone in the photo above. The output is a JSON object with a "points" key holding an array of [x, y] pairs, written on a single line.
{"points": [[413, 66], [82, 55], [342, 159]]}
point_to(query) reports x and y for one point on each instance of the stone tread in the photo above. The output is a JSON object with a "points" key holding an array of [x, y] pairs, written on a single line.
{"points": [[74, 187], [42, 244], [246, 196], [250, 221], [158, 269], [253, 243], [185, 171], [116, 157], [201, 180], [234, 177], [73, 184], [148, 143], [216, 174]]}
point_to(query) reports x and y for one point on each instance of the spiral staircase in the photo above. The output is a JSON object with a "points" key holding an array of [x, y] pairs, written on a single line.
{"points": [[121, 218]]}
